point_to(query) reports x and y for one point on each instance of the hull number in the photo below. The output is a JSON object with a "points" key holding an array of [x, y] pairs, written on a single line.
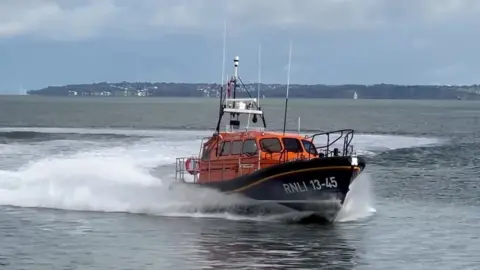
{"points": [[314, 184]]}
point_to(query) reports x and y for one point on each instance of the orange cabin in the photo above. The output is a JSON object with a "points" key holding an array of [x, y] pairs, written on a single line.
{"points": [[230, 155]]}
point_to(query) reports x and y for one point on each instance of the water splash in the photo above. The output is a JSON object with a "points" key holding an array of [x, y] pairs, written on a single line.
{"points": [[359, 202]]}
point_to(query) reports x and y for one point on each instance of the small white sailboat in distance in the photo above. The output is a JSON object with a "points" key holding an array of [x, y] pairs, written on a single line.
{"points": [[22, 91], [355, 96]]}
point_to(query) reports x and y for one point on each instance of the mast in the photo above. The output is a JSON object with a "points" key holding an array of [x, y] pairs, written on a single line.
{"points": [[228, 100], [288, 86], [238, 106], [234, 121]]}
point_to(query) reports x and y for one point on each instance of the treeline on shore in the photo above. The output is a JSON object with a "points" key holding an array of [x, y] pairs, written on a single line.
{"points": [[377, 91]]}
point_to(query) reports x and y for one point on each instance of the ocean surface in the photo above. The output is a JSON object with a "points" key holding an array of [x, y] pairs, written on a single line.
{"points": [[84, 185]]}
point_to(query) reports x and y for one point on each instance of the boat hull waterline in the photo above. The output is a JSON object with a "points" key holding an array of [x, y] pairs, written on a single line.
{"points": [[317, 185]]}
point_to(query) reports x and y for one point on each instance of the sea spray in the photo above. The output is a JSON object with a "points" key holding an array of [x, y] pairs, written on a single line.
{"points": [[359, 202]]}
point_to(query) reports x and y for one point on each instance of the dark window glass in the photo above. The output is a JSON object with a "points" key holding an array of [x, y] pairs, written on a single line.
{"points": [[219, 148], [249, 147], [309, 147], [236, 147], [225, 149], [292, 145], [206, 153], [271, 145]]}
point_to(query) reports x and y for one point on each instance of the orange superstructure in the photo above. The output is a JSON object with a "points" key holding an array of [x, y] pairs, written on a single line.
{"points": [[229, 155]]}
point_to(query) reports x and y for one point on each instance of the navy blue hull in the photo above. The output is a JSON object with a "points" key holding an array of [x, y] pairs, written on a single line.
{"points": [[318, 185]]}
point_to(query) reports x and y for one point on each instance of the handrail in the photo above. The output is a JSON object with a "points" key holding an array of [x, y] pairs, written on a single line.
{"points": [[255, 161], [347, 134]]}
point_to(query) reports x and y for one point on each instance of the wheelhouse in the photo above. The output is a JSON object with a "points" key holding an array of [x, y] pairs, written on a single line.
{"points": [[248, 145], [232, 154]]}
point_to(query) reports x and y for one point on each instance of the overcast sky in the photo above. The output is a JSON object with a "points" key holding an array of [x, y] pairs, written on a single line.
{"points": [[57, 42]]}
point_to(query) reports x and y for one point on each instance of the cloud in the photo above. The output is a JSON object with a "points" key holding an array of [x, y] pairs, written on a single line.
{"points": [[56, 19], [77, 19]]}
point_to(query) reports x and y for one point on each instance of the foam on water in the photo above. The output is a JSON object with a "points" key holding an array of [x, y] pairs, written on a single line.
{"points": [[119, 179]]}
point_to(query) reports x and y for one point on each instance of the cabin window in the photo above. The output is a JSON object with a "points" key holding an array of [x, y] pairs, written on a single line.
{"points": [[225, 150], [271, 145], [206, 153], [309, 147], [250, 147], [219, 148], [236, 147], [292, 145]]}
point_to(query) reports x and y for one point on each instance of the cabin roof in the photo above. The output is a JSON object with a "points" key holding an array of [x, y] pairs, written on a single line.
{"points": [[258, 134]]}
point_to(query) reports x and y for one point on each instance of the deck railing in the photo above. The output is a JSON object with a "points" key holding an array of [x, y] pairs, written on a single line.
{"points": [[346, 148]]}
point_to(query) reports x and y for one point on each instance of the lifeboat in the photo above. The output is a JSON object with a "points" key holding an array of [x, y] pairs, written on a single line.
{"points": [[310, 173]]}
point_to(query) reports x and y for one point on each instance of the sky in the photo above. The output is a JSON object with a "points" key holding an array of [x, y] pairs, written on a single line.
{"points": [[58, 42]]}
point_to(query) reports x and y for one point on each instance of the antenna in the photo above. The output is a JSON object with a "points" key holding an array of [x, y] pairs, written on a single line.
{"points": [[298, 125], [288, 86], [224, 50], [223, 71], [259, 72]]}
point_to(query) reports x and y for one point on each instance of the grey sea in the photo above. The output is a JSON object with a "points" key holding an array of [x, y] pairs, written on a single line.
{"points": [[84, 185]]}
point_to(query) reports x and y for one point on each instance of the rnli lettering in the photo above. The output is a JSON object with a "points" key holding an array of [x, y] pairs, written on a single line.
{"points": [[314, 184], [295, 187]]}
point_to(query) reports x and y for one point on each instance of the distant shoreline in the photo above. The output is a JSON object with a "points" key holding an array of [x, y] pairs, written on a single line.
{"points": [[346, 91]]}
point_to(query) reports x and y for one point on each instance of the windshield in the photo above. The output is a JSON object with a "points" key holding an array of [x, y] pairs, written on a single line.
{"points": [[309, 147], [271, 145], [292, 145]]}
